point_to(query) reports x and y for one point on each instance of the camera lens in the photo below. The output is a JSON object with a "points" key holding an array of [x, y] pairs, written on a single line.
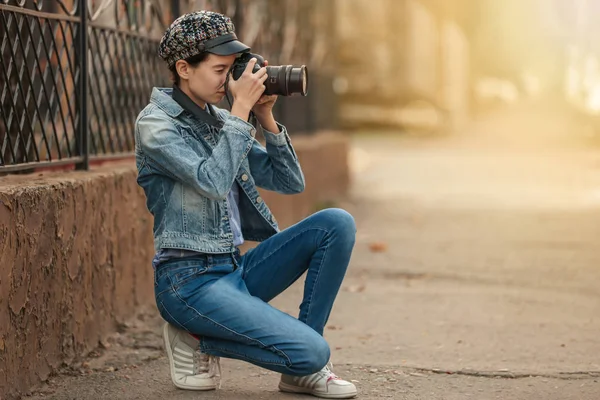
{"points": [[286, 80], [283, 80], [298, 82]]}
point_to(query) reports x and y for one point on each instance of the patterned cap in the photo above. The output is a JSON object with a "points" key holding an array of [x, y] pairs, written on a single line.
{"points": [[194, 33]]}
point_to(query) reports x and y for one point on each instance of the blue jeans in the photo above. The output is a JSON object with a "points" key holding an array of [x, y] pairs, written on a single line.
{"points": [[223, 298]]}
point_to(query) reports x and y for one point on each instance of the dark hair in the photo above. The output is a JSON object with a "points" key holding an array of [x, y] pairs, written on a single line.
{"points": [[193, 61]]}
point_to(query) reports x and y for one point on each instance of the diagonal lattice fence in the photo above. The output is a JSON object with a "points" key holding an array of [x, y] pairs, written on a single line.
{"points": [[51, 113], [44, 47]]}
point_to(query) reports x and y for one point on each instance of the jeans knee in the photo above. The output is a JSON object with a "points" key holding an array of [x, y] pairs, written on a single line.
{"points": [[315, 356], [338, 220], [320, 356]]}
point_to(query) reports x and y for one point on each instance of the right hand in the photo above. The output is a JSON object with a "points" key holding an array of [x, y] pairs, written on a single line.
{"points": [[249, 87]]}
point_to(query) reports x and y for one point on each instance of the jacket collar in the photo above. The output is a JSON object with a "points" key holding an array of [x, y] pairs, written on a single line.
{"points": [[162, 98]]}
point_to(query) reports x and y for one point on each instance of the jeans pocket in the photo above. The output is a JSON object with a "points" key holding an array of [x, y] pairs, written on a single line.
{"points": [[181, 276], [161, 284]]}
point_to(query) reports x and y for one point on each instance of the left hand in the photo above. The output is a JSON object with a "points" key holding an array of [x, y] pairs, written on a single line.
{"points": [[264, 105]]}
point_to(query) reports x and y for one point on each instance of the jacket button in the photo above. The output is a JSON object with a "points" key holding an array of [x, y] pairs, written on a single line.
{"points": [[259, 200], [244, 177]]}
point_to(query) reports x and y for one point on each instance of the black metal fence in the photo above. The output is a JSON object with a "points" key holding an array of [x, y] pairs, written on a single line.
{"points": [[75, 73]]}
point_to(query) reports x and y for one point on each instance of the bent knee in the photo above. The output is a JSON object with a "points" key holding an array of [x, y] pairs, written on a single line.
{"points": [[313, 357], [338, 220]]}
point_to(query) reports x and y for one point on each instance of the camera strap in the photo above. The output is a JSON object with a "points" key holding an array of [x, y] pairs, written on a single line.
{"points": [[204, 115]]}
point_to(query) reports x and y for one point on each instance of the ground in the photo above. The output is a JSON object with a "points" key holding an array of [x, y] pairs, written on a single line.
{"points": [[475, 275]]}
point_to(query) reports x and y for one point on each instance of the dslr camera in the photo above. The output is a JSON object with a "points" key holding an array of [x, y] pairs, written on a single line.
{"points": [[283, 80]]}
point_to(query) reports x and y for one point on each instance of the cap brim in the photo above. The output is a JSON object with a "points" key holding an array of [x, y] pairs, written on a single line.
{"points": [[229, 48]]}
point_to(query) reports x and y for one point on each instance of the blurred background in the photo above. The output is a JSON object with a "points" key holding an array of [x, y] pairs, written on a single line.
{"points": [[419, 66], [463, 135]]}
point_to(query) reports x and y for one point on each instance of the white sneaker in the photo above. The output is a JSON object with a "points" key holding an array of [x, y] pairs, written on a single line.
{"points": [[324, 384], [190, 368]]}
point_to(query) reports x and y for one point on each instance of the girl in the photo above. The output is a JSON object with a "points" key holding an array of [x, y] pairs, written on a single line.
{"points": [[200, 167]]}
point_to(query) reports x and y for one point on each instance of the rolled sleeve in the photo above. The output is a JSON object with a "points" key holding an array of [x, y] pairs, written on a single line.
{"points": [[277, 167], [277, 139]]}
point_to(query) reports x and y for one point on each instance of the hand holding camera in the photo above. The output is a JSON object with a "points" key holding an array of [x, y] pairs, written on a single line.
{"points": [[250, 70], [247, 89]]}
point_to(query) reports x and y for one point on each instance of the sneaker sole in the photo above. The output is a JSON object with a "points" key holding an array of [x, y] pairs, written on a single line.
{"points": [[172, 361], [284, 387]]}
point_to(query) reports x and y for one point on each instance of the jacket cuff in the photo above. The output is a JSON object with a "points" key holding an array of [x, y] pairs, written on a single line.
{"points": [[277, 139]]}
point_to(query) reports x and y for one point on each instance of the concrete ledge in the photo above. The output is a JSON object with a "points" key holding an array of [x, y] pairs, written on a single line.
{"points": [[75, 251]]}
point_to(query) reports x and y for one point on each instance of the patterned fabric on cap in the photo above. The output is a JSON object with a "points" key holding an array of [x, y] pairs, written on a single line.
{"points": [[187, 34]]}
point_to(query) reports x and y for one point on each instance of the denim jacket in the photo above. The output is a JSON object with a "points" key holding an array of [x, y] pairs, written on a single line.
{"points": [[186, 171]]}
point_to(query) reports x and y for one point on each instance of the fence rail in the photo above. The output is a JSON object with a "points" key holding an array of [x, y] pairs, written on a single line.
{"points": [[52, 113], [75, 73]]}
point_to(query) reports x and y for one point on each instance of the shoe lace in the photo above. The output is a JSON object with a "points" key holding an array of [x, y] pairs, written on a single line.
{"points": [[207, 364], [328, 373]]}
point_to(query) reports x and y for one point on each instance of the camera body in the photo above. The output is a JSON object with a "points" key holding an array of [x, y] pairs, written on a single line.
{"points": [[283, 80]]}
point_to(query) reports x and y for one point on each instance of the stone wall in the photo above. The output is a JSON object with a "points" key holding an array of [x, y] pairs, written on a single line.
{"points": [[75, 251]]}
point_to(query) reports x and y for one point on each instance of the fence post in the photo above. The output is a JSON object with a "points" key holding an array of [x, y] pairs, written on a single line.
{"points": [[175, 10], [83, 134]]}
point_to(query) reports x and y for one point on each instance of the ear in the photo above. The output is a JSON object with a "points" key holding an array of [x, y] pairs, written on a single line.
{"points": [[183, 69]]}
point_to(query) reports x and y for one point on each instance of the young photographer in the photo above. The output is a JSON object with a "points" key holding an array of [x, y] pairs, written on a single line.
{"points": [[200, 167]]}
